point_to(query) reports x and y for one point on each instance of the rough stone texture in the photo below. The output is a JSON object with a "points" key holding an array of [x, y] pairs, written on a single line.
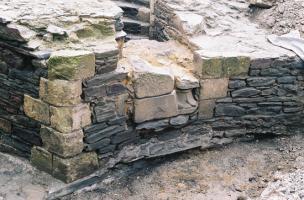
{"points": [[149, 81], [155, 107], [42, 159], [62, 144], [218, 65], [60, 92], [36, 109], [213, 88], [71, 65], [186, 101], [206, 109], [68, 119], [74, 168]]}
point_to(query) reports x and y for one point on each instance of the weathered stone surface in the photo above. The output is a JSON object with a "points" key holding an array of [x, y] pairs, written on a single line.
{"points": [[213, 66], [67, 119], [189, 23], [70, 169], [62, 144], [36, 109], [16, 32], [157, 126], [42, 159], [206, 109], [186, 102], [5, 125], [60, 92], [260, 81], [229, 110], [184, 80], [234, 84], [92, 137], [245, 92], [155, 107], [179, 120], [71, 65], [149, 81], [214, 88], [287, 79]]}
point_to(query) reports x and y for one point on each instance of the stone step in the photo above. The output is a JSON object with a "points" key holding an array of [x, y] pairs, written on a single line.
{"points": [[135, 11], [139, 2], [136, 37], [135, 27]]}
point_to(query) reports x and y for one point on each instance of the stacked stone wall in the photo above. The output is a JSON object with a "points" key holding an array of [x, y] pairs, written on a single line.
{"points": [[20, 74]]}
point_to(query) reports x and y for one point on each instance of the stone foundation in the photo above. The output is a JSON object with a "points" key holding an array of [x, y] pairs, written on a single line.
{"points": [[72, 101]]}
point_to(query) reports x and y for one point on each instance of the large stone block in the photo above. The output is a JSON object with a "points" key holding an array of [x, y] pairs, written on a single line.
{"points": [[67, 119], [60, 92], [36, 109], [71, 65], [150, 81], [5, 125], [62, 144], [218, 65], [214, 88], [155, 107], [42, 159], [71, 169]]}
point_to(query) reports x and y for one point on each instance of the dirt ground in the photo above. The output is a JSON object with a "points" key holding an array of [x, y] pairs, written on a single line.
{"points": [[238, 171]]}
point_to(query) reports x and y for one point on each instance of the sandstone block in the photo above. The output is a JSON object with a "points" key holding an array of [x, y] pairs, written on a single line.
{"points": [[214, 88], [155, 107], [71, 65], [71, 169], [36, 109], [67, 119], [62, 144], [42, 159], [206, 109], [184, 80], [186, 102], [216, 65], [149, 81], [5, 125], [60, 92]]}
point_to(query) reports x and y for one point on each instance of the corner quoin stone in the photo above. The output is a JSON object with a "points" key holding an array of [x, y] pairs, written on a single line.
{"points": [[37, 109], [71, 65], [155, 107], [68, 119], [60, 92], [42, 159], [62, 144], [71, 169], [218, 65]]}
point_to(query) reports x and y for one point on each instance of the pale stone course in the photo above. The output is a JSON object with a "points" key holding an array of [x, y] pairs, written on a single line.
{"points": [[214, 88]]}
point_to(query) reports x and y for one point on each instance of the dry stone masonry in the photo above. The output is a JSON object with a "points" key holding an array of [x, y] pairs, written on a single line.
{"points": [[75, 98]]}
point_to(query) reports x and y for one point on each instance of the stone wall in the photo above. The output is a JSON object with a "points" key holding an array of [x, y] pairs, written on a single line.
{"points": [[259, 96], [20, 73]]}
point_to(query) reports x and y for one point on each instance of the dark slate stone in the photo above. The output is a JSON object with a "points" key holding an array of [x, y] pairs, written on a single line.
{"points": [[245, 92], [116, 89], [235, 132], [97, 145], [129, 135], [270, 104], [107, 149], [119, 120], [254, 72], [274, 72], [234, 84], [94, 128], [30, 136], [287, 79], [95, 92], [105, 133], [229, 110], [104, 112], [292, 109], [268, 92], [260, 81], [267, 110], [249, 100], [224, 100], [101, 79], [261, 63]]}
